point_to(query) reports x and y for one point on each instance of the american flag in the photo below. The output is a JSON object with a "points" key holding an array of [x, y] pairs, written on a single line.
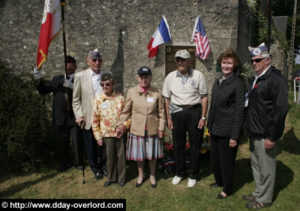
{"points": [[200, 38]]}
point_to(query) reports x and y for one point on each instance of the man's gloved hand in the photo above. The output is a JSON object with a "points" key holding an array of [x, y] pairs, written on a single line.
{"points": [[37, 74]]}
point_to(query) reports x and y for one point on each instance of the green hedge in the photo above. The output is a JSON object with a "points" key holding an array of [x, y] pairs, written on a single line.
{"points": [[26, 131]]}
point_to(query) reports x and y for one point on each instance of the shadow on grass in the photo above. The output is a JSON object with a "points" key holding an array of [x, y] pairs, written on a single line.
{"points": [[131, 170], [5, 193], [289, 143], [243, 175], [284, 176], [205, 166]]}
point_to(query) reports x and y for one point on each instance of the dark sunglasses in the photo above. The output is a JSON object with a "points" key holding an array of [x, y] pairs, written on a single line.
{"points": [[99, 60], [180, 60], [107, 84], [257, 60]]}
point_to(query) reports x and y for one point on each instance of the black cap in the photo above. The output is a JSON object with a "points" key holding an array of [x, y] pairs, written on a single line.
{"points": [[70, 59], [106, 77], [144, 71]]}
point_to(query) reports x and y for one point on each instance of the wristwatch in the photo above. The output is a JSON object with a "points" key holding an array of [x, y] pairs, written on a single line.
{"points": [[204, 118]]}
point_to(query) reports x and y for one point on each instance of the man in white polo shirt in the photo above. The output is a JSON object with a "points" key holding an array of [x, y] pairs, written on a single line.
{"points": [[185, 94]]}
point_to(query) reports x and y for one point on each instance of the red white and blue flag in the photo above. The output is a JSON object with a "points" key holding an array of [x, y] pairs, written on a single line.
{"points": [[200, 38], [49, 28], [161, 35]]}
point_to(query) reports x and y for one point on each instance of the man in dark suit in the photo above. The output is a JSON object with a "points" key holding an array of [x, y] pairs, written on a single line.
{"points": [[62, 87]]}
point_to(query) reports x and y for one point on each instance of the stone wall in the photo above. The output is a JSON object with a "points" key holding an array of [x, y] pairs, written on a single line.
{"points": [[279, 59], [121, 30]]}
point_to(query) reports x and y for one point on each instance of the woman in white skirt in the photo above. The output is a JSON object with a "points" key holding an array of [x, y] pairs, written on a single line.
{"points": [[145, 108]]}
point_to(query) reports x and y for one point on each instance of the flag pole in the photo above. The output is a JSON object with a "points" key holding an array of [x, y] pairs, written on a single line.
{"points": [[63, 3], [194, 30]]}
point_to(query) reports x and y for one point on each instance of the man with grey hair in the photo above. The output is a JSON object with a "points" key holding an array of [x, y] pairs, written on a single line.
{"points": [[86, 88], [185, 94], [267, 106]]}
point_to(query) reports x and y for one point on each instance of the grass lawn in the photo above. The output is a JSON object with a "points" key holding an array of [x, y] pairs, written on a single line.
{"points": [[48, 184]]}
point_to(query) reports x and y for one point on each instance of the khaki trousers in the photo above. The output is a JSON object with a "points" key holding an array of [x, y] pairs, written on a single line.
{"points": [[115, 159], [263, 163]]}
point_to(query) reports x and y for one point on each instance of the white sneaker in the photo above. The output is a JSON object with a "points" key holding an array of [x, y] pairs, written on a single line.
{"points": [[176, 180], [192, 182]]}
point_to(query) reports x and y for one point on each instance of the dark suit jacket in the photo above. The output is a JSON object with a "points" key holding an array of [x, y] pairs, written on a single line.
{"points": [[61, 114]]}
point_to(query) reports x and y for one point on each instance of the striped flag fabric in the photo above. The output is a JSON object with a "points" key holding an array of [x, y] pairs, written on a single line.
{"points": [[199, 37], [161, 35], [49, 28]]}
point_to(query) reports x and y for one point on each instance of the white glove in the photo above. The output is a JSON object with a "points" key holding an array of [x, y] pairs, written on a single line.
{"points": [[37, 74], [68, 83]]}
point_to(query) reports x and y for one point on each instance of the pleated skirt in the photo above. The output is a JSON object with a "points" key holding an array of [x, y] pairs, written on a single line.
{"points": [[141, 148]]}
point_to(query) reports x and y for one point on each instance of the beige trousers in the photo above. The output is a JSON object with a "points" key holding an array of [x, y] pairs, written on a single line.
{"points": [[263, 163]]}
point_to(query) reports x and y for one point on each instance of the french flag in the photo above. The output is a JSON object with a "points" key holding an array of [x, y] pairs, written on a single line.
{"points": [[49, 28], [161, 35]]}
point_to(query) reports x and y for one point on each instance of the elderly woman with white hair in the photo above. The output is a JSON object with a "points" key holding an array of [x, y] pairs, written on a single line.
{"points": [[145, 108]]}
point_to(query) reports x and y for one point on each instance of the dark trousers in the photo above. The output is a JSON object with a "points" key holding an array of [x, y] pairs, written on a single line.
{"points": [[115, 159], [66, 133], [222, 162], [184, 122], [92, 150]]}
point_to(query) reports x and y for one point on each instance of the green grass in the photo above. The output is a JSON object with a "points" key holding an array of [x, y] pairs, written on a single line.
{"points": [[49, 184]]}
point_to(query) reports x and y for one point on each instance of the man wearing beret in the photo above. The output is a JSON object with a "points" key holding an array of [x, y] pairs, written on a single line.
{"points": [[86, 88], [185, 94], [62, 86], [266, 109]]}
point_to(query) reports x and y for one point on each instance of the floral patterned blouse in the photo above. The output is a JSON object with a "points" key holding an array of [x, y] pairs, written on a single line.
{"points": [[106, 113]]}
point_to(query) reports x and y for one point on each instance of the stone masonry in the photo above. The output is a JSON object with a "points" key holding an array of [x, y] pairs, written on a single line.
{"points": [[121, 30]]}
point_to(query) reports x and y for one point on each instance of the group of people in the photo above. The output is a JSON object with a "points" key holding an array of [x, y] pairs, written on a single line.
{"points": [[105, 117], [261, 106]]}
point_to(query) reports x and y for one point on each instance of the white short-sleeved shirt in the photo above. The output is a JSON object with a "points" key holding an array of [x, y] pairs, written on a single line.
{"points": [[185, 91]]}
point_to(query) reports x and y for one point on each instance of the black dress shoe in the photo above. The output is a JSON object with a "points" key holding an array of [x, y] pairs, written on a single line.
{"points": [[121, 184], [220, 196], [138, 184], [214, 185], [107, 183], [98, 176], [153, 185]]}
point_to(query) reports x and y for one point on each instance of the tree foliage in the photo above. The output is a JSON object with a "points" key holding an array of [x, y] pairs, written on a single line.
{"points": [[26, 130], [286, 8]]}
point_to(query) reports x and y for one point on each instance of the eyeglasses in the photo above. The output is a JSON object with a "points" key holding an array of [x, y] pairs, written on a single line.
{"points": [[99, 60], [180, 59], [257, 60], [107, 84]]}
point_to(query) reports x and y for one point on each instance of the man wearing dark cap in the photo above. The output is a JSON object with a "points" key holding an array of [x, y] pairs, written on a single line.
{"points": [[266, 109], [185, 96], [86, 89], [61, 86]]}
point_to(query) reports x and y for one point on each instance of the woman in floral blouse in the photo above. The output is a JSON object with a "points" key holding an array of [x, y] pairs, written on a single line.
{"points": [[144, 107], [106, 111]]}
